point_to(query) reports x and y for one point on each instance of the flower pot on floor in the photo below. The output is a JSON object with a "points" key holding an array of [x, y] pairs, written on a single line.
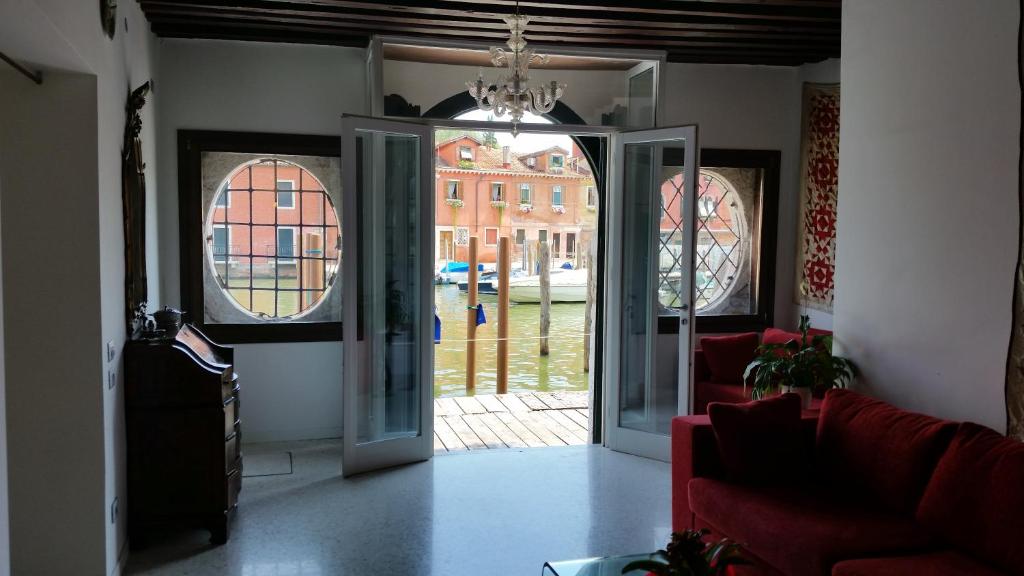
{"points": [[804, 393]]}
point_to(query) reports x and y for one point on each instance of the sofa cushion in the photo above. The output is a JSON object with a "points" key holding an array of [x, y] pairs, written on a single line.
{"points": [[873, 449], [801, 531], [706, 392], [946, 563], [975, 500], [728, 356], [760, 441]]}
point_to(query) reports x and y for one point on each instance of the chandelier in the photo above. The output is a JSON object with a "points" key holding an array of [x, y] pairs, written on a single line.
{"points": [[511, 94]]}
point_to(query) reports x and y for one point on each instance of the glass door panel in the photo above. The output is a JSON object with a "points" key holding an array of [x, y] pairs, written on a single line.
{"points": [[650, 285], [388, 314]]}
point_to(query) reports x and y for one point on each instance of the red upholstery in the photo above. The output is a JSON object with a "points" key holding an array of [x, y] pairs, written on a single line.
{"points": [[879, 459], [741, 430], [728, 356], [695, 455], [801, 531], [705, 393], [946, 563], [877, 451], [777, 336], [975, 499]]}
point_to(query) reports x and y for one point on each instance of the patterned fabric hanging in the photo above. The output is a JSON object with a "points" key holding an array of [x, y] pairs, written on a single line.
{"points": [[819, 187]]}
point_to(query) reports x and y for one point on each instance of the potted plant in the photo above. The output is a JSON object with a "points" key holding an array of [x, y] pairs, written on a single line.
{"points": [[687, 554], [799, 367]]}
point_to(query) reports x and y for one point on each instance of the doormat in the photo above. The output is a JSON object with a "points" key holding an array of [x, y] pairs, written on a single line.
{"points": [[819, 188], [273, 464]]}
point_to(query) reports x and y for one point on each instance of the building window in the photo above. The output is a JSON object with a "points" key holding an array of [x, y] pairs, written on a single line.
{"points": [[591, 197], [736, 214], [465, 153], [524, 194], [453, 191], [221, 244], [542, 235], [497, 191], [261, 236], [556, 195], [285, 194], [224, 198], [520, 236], [557, 161], [531, 161], [462, 236], [556, 245], [491, 236], [570, 245]]}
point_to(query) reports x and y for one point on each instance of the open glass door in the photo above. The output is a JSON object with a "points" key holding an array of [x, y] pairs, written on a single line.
{"points": [[650, 286], [388, 215]]}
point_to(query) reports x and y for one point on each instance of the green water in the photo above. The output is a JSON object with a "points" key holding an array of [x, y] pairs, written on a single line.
{"points": [[528, 370]]}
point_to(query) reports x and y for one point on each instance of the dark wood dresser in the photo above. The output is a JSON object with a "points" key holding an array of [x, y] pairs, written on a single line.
{"points": [[184, 434]]}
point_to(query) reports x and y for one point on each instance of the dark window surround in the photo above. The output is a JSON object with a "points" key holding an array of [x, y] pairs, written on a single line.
{"points": [[769, 161], [191, 145]]}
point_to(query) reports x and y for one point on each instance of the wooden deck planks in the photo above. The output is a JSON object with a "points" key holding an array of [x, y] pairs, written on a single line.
{"points": [[519, 420]]}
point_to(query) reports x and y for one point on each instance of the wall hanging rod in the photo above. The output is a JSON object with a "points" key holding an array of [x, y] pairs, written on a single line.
{"points": [[36, 77]]}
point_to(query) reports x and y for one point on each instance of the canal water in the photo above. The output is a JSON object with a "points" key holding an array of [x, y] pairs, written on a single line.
{"points": [[528, 370]]}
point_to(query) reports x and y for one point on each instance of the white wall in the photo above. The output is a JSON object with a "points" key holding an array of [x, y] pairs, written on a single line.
{"points": [[67, 36], [753, 107], [54, 398], [928, 201], [290, 391]]}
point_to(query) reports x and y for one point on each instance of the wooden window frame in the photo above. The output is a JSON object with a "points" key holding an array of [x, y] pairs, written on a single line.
{"points": [[770, 161], [191, 219]]}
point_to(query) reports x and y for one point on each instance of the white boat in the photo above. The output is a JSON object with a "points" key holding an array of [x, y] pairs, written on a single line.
{"points": [[566, 286]]}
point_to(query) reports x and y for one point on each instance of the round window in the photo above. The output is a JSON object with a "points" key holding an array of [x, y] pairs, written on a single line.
{"points": [[719, 241], [272, 239]]}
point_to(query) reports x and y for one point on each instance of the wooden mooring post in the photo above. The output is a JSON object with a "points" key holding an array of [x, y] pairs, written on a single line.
{"points": [[471, 302], [545, 296], [588, 314], [504, 271]]}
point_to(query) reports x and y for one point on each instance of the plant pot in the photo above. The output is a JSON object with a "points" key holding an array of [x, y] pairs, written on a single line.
{"points": [[803, 393]]}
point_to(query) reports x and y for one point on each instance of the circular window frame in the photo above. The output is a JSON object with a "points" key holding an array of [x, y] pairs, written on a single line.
{"points": [[208, 225], [740, 216]]}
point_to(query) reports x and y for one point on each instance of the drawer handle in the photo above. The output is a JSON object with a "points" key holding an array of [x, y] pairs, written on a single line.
{"points": [[230, 400]]}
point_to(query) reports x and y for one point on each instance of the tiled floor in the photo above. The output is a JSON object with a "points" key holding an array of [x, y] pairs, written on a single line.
{"points": [[493, 512]]}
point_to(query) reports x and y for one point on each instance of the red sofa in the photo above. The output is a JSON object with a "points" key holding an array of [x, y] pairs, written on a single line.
{"points": [[887, 492], [719, 362]]}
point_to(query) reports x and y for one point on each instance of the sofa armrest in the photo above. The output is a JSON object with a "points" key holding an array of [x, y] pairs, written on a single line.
{"points": [[694, 455], [701, 370]]}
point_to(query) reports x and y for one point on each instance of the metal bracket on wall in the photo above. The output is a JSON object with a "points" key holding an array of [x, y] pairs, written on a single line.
{"points": [[35, 76]]}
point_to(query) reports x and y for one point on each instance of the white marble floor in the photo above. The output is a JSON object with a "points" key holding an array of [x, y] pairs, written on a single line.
{"points": [[495, 512]]}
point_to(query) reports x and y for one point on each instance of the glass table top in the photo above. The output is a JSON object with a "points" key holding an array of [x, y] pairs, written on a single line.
{"points": [[608, 566]]}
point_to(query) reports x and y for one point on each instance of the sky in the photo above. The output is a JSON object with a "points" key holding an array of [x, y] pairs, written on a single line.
{"points": [[525, 142]]}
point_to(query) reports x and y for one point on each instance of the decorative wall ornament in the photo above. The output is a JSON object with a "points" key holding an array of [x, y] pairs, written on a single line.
{"points": [[108, 17], [819, 187], [133, 199]]}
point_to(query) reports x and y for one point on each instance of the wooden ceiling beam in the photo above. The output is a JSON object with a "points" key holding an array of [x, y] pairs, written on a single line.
{"points": [[644, 10], [655, 42], [159, 8], [675, 39]]}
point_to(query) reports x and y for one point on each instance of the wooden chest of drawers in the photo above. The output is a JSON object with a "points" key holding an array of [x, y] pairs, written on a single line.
{"points": [[184, 434]]}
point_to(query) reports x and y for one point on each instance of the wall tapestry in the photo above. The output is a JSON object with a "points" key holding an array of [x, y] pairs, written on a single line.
{"points": [[819, 185]]}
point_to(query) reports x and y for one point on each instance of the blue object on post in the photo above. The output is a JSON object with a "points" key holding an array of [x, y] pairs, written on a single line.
{"points": [[437, 329], [480, 317]]}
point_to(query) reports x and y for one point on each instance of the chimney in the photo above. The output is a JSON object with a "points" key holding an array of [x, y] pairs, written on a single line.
{"points": [[505, 163]]}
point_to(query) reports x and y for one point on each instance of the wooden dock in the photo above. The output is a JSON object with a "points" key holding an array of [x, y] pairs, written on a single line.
{"points": [[519, 420]]}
